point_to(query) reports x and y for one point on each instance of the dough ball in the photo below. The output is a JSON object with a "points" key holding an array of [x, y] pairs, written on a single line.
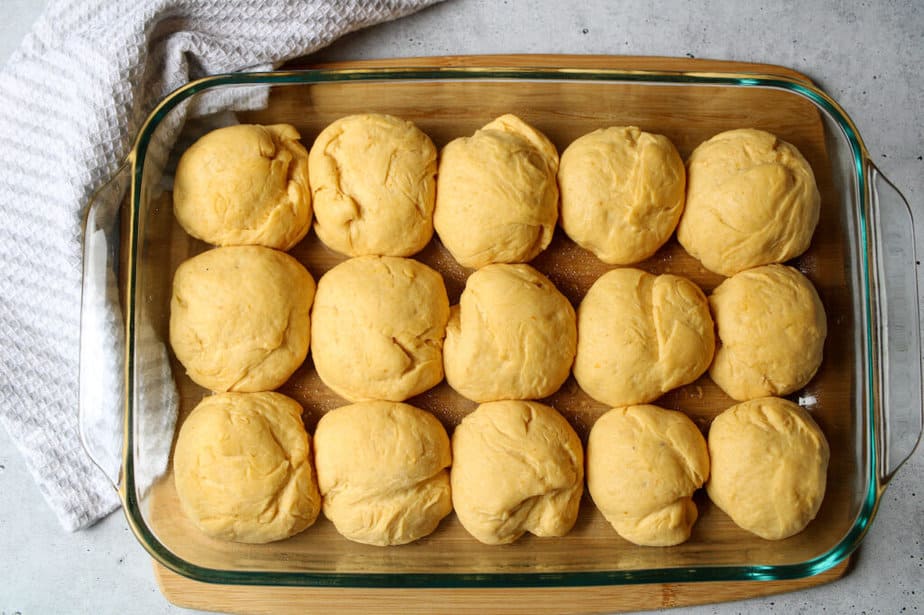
{"points": [[379, 323], [640, 335], [772, 332], [373, 181], [751, 200], [517, 467], [497, 198], [245, 185], [239, 318], [643, 465], [242, 468], [382, 470], [622, 193], [769, 464], [512, 336]]}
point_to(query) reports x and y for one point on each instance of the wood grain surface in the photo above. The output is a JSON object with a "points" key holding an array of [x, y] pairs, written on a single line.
{"points": [[535, 600], [564, 111]]}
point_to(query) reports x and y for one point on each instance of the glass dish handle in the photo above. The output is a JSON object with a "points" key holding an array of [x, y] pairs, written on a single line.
{"points": [[100, 409], [899, 419]]}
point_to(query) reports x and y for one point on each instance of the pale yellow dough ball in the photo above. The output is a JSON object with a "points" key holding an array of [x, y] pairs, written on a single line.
{"points": [[512, 336], [245, 185], [643, 465], [373, 182], [497, 197], [769, 466], [772, 331], [242, 468], [382, 471], [622, 192], [751, 200], [517, 467], [239, 317], [641, 335], [379, 323]]}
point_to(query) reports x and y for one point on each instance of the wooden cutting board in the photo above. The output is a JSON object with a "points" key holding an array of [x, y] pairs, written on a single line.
{"points": [[250, 599], [535, 600]]}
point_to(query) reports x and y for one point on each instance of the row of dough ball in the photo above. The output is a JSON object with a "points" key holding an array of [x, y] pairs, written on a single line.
{"points": [[641, 335], [745, 198], [243, 470], [241, 320]]}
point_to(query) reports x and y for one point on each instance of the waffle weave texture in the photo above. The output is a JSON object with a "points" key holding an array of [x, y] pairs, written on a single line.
{"points": [[71, 100]]}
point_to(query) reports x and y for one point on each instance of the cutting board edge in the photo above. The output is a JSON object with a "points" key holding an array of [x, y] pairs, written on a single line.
{"points": [[263, 600]]}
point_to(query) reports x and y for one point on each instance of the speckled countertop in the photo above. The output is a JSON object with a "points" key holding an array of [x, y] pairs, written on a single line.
{"points": [[867, 55]]}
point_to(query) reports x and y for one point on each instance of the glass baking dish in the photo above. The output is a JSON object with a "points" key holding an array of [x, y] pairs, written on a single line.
{"points": [[866, 397]]}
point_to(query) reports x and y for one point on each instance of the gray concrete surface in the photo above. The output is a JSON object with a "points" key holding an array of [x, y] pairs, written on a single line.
{"points": [[868, 55]]}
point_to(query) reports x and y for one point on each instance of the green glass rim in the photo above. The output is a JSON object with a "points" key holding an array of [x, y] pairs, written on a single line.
{"points": [[814, 566]]}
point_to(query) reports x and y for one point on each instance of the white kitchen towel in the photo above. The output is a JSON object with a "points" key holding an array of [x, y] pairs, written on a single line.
{"points": [[71, 99]]}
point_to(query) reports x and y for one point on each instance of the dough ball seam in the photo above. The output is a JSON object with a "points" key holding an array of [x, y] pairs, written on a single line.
{"points": [[245, 185], [518, 467], [622, 193], [232, 494], [373, 182], [396, 488]]}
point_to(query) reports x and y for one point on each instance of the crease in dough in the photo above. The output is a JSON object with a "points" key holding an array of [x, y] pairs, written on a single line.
{"points": [[383, 471], [769, 466], [373, 179], [497, 196], [772, 328], [640, 336], [245, 185], [643, 465], [379, 324], [512, 336], [243, 468], [751, 200], [239, 317], [518, 467], [622, 192]]}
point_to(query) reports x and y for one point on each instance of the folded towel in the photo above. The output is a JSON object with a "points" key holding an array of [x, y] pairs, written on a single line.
{"points": [[71, 100]]}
